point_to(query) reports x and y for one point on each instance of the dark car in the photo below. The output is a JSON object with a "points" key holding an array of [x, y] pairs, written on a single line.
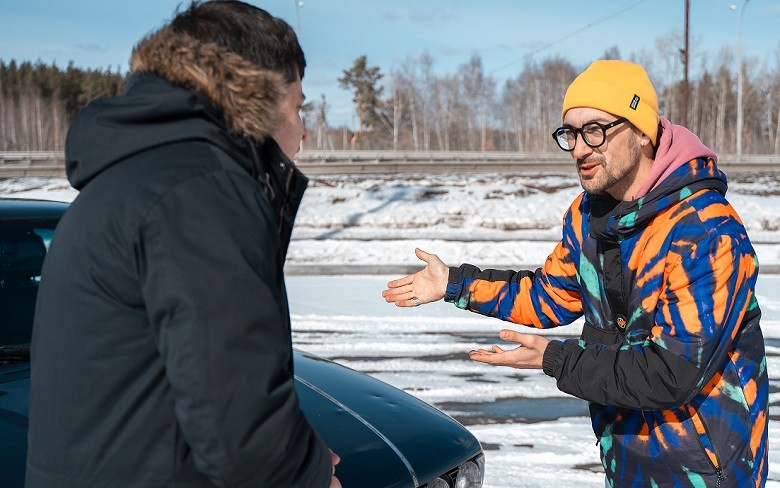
{"points": [[385, 437]]}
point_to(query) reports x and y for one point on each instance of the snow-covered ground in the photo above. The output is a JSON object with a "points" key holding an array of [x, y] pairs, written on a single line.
{"points": [[533, 434], [484, 219]]}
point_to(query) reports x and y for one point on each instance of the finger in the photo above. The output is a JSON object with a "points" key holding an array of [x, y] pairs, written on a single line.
{"points": [[334, 458], [497, 349], [406, 280], [404, 293], [397, 290], [406, 298], [479, 352], [407, 295], [388, 295], [483, 356], [485, 352]]}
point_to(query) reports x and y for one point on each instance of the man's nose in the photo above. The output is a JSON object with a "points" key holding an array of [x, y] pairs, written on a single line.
{"points": [[581, 150]]}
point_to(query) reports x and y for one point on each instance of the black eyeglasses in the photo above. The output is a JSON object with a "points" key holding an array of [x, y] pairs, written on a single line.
{"points": [[593, 134]]}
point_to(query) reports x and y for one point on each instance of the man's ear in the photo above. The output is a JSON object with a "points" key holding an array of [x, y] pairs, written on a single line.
{"points": [[645, 140]]}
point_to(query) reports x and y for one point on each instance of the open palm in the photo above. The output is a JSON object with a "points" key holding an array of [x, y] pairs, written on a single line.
{"points": [[424, 286]]}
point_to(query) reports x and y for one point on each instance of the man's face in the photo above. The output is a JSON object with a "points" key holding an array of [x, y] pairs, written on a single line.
{"points": [[289, 130], [612, 167]]}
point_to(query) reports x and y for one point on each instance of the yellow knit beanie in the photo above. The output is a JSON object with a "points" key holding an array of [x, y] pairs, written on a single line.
{"points": [[620, 88]]}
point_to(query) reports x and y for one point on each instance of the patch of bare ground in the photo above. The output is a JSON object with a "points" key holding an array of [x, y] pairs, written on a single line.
{"points": [[592, 467]]}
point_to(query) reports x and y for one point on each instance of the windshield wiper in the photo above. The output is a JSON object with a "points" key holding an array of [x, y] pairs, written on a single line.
{"points": [[18, 353]]}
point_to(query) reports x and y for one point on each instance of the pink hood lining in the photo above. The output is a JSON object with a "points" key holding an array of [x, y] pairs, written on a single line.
{"points": [[676, 147]]}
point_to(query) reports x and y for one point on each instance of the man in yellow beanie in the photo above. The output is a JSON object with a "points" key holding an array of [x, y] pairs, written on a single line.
{"points": [[671, 356]]}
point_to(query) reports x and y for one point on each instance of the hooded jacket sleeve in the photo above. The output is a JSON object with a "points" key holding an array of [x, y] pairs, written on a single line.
{"points": [[548, 297], [705, 299], [207, 257]]}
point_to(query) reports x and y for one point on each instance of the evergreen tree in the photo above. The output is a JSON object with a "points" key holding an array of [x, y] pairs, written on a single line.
{"points": [[363, 81]]}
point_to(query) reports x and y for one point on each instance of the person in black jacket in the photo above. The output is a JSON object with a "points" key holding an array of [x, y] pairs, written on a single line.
{"points": [[161, 349]]}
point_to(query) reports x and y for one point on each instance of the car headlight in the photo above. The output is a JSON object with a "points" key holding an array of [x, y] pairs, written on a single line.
{"points": [[471, 473], [439, 483]]}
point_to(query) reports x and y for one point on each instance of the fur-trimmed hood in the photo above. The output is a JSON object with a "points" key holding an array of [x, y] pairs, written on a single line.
{"points": [[248, 96], [181, 90]]}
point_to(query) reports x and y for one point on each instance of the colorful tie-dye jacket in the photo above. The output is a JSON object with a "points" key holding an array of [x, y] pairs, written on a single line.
{"points": [[671, 356]]}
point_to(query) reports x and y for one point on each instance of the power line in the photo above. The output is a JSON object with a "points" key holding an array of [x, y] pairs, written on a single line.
{"points": [[571, 34]]}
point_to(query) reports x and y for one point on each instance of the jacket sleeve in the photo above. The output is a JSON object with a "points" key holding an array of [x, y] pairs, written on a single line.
{"points": [[207, 257], [548, 297], [704, 300]]}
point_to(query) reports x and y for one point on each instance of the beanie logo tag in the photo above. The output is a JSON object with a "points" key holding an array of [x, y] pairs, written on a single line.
{"points": [[635, 102]]}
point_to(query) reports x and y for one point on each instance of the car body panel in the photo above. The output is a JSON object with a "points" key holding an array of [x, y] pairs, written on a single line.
{"points": [[26, 209], [426, 437], [14, 405], [364, 454]]}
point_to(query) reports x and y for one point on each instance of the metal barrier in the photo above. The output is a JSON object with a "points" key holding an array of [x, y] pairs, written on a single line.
{"points": [[52, 163], [33, 163]]}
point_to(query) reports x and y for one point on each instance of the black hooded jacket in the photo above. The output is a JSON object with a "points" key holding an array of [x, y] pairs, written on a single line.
{"points": [[161, 350]]}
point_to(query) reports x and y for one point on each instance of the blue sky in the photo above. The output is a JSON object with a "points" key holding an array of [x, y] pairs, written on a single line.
{"points": [[101, 33]]}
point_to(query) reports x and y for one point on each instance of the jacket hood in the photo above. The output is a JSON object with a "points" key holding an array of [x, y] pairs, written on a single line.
{"points": [[181, 90], [683, 165], [248, 96], [676, 146], [612, 220]]}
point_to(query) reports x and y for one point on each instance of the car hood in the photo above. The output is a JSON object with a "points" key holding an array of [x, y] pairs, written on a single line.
{"points": [[381, 433], [385, 437]]}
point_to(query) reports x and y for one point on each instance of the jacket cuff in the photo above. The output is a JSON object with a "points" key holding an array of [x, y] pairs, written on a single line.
{"points": [[550, 360], [454, 285]]}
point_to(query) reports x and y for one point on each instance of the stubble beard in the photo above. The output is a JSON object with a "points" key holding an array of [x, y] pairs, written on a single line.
{"points": [[613, 177]]}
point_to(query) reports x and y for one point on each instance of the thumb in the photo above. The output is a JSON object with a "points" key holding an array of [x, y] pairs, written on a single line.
{"points": [[511, 336], [422, 255]]}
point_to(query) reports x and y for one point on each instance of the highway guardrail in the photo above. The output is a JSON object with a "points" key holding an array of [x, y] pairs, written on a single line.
{"points": [[52, 163]]}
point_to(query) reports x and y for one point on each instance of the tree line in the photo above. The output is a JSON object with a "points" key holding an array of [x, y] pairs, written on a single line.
{"points": [[38, 101], [418, 108], [470, 110]]}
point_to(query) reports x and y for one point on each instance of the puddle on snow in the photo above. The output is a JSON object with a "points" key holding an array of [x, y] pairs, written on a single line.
{"points": [[511, 410]]}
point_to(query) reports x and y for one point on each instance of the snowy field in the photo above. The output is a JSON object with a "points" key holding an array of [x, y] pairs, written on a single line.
{"points": [[533, 435]]}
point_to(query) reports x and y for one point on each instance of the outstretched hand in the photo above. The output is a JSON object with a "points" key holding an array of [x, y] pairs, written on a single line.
{"points": [[528, 355], [425, 286]]}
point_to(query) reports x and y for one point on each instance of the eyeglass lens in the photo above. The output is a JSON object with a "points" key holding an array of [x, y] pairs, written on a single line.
{"points": [[593, 134]]}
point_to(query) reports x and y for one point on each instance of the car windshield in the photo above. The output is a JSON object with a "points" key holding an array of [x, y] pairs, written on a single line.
{"points": [[23, 245]]}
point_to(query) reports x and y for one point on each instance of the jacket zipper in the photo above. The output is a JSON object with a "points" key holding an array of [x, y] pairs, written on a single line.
{"points": [[718, 468]]}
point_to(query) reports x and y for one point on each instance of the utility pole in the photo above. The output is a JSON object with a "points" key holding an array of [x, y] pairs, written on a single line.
{"points": [[686, 54], [739, 85]]}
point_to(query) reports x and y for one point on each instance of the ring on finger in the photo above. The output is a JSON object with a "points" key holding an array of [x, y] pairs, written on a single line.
{"points": [[415, 302]]}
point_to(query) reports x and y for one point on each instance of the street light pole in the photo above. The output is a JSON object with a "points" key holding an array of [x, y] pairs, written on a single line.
{"points": [[298, 5], [739, 84]]}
